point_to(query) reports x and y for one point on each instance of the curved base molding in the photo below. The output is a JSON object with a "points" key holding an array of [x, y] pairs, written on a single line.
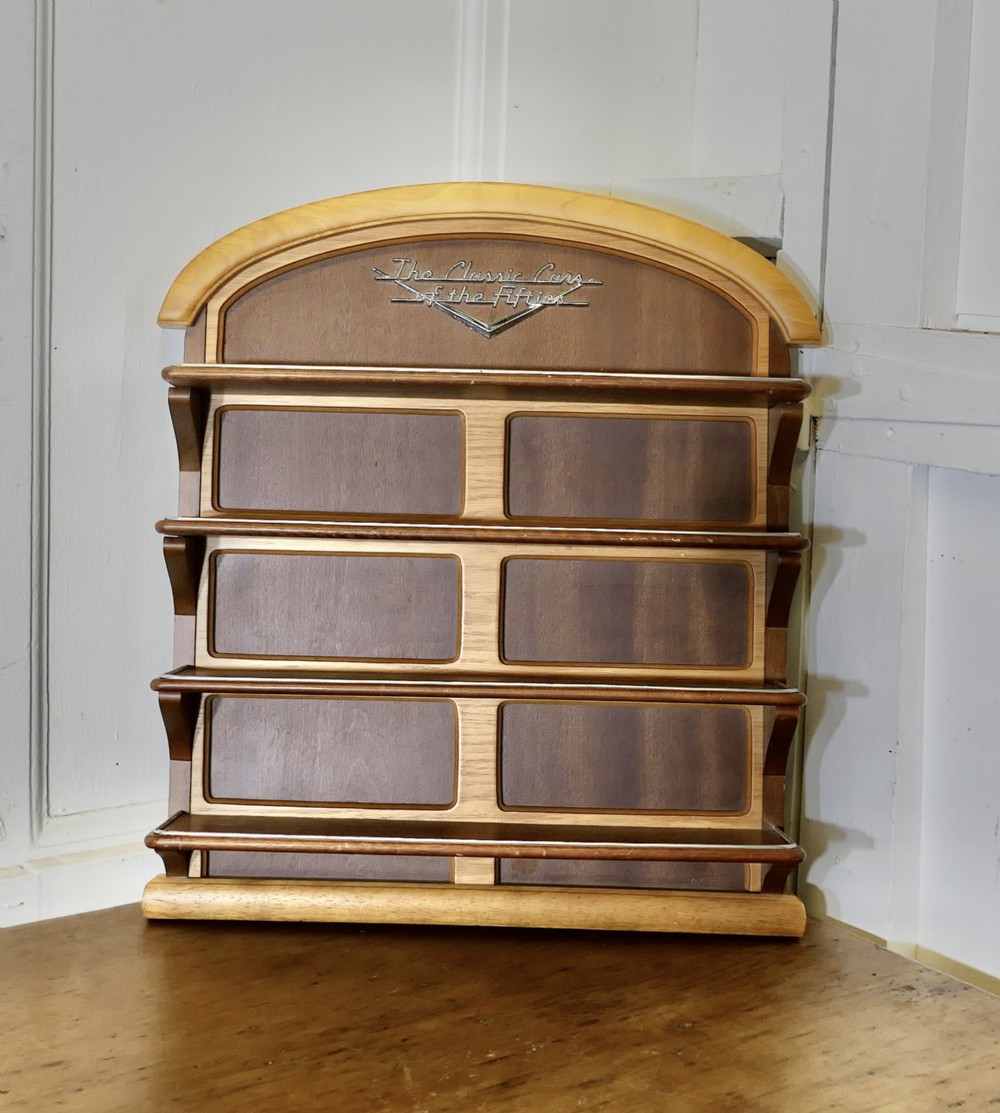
{"points": [[777, 914]]}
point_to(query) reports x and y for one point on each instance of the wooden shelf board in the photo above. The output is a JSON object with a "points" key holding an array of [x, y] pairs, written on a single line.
{"points": [[223, 682], [692, 388], [500, 532], [186, 832]]}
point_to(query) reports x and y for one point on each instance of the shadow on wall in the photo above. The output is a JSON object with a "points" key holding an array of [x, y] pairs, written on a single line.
{"points": [[826, 844], [827, 387]]}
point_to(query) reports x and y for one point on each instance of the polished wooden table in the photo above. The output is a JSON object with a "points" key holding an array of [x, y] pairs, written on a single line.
{"points": [[106, 1013]]}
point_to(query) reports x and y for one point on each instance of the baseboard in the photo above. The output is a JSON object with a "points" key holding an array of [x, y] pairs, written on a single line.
{"points": [[67, 884], [969, 974], [922, 955]]}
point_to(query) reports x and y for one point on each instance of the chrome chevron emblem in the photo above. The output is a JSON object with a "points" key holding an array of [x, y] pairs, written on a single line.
{"points": [[473, 298]]}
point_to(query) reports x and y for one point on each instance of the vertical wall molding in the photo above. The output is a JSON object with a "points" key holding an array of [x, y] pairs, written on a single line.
{"points": [[470, 90], [496, 74], [481, 90], [18, 93], [810, 72], [945, 163], [40, 367]]}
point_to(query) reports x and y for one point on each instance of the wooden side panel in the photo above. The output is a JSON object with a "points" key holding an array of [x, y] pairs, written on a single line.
{"points": [[194, 340], [328, 606], [331, 751], [627, 612], [609, 757], [631, 469], [328, 867], [335, 462], [779, 360], [717, 876], [639, 317]]}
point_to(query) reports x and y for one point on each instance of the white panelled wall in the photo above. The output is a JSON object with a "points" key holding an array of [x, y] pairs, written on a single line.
{"points": [[139, 132], [901, 787]]}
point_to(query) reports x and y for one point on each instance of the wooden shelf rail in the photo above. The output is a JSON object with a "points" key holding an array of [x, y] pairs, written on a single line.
{"points": [[184, 833], [689, 388]]}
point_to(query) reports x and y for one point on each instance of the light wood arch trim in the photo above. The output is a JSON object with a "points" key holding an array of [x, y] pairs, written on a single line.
{"points": [[521, 209]]}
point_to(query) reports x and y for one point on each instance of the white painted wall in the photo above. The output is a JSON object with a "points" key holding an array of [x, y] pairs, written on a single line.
{"points": [[959, 908], [900, 800]]}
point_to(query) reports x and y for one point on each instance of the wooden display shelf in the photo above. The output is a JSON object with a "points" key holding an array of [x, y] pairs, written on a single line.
{"points": [[184, 833], [566, 385], [410, 683], [500, 532], [461, 600]]}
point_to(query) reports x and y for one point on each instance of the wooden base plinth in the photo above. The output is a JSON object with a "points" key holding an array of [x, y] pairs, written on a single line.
{"points": [[474, 905]]}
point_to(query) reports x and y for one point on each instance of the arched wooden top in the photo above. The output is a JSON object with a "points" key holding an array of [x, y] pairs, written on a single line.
{"points": [[520, 208]]}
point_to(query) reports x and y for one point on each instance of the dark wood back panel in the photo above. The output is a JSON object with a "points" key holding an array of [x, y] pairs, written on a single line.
{"points": [[621, 757], [717, 876], [630, 469], [331, 751], [627, 612], [334, 311], [329, 606], [318, 461], [329, 867]]}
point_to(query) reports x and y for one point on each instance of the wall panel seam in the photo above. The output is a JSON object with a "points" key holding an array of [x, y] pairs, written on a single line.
{"points": [[41, 410]]}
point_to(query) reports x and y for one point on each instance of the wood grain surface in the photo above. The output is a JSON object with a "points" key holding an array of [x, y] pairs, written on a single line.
{"points": [[335, 605], [627, 612], [333, 311], [394, 215], [107, 1014], [349, 751], [490, 905], [410, 683], [702, 876], [344, 614], [305, 453], [328, 867], [479, 382], [185, 833], [609, 757], [631, 469], [326, 461], [480, 531], [611, 790]]}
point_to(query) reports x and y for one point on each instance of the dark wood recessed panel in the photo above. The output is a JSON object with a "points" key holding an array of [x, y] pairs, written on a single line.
{"points": [[328, 606], [640, 317], [630, 468], [339, 462], [331, 751], [329, 867], [624, 757], [628, 612], [718, 876]]}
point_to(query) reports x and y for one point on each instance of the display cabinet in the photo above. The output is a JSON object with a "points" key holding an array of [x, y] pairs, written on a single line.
{"points": [[481, 572]]}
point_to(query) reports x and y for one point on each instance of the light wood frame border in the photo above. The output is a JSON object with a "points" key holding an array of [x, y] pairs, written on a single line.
{"points": [[485, 449], [480, 609], [477, 766], [243, 257]]}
